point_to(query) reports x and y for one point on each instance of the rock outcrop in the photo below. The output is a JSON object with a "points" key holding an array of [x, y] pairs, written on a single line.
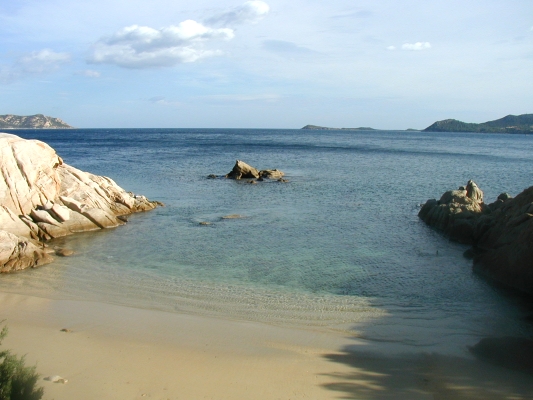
{"points": [[18, 253], [455, 213], [501, 232], [241, 170], [42, 198]]}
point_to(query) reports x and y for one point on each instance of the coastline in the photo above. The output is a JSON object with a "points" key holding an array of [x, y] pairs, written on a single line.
{"points": [[117, 352]]}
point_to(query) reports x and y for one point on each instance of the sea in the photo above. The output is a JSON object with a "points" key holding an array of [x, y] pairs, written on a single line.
{"points": [[338, 247]]}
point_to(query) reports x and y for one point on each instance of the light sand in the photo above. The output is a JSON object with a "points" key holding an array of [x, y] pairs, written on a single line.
{"points": [[115, 352]]}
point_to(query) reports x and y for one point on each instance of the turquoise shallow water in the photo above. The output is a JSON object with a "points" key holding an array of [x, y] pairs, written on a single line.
{"points": [[338, 247]]}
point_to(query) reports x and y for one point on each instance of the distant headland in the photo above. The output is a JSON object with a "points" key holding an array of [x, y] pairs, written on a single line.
{"points": [[37, 121], [509, 124]]}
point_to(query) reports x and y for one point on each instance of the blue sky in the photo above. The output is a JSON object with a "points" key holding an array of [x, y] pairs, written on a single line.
{"points": [[386, 64]]}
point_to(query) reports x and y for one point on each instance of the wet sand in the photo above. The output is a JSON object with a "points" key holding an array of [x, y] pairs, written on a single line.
{"points": [[115, 352]]}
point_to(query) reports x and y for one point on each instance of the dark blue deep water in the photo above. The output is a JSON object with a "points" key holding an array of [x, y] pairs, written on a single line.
{"points": [[339, 246]]}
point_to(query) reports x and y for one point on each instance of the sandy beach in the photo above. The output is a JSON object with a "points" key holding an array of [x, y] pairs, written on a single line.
{"points": [[124, 353], [115, 352]]}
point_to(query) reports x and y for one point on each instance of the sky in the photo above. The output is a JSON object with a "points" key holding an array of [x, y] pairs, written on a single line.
{"points": [[386, 64]]}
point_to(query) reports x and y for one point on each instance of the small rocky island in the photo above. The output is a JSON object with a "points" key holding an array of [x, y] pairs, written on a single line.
{"points": [[42, 198], [323, 128], [501, 232], [37, 121]]}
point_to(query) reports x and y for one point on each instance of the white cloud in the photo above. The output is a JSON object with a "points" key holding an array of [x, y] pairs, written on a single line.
{"points": [[416, 46], [163, 101], [250, 12], [391, 47], [285, 47], [36, 63], [42, 61], [243, 97], [354, 14], [144, 47], [89, 73]]}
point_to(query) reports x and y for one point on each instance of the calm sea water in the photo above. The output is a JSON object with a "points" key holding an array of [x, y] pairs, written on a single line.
{"points": [[339, 246]]}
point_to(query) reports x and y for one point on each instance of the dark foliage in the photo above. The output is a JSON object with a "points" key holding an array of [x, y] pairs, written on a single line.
{"points": [[17, 381]]}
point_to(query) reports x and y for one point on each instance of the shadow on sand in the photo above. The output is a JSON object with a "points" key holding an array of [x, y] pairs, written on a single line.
{"points": [[498, 368]]}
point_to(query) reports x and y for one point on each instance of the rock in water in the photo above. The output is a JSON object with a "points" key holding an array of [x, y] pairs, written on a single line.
{"points": [[241, 170], [455, 213], [232, 216], [64, 252], [42, 198], [271, 174], [504, 236], [501, 232]]}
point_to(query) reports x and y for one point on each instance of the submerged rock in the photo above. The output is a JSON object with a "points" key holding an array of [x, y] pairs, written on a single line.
{"points": [[232, 216], [64, 252], [501, 232], [42, 198]]}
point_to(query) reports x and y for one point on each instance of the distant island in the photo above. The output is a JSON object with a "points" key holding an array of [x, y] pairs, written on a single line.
{"points": [[323, 128], [38, 121], [509, 124], [362, 128]]}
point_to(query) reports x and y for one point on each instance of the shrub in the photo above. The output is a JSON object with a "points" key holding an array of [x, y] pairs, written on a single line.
{"points": [[17, 381]]}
